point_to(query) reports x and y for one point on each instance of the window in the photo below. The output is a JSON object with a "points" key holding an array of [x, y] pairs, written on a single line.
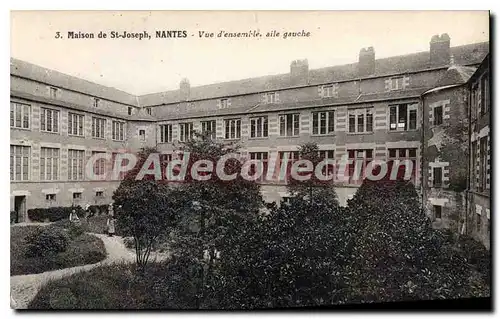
{"points": [[208, 126], [271, 97], [49, 120], [99, 165], [403, 117], [485, 94], [360, 121], [224, 103], [475, 101], [96, 102], [483, 161], [438, 115], [53, 92], [233, 128], [99, 194], [258, 127], [49, 164], [19, 115], [50, 197], [262, 157], [292, 157], [186, 131], [478, 221], [437, 212], [396, 83], [403, 154], [77, 195], [98, 125], [123, 162], [75, 164], [328, 155], [148, 110], [19, 163], [323, 123], [289, 124], [473, 165], [142, 135], [437, 173], [166, 133], [118, 131], [360, 158], [129, 110], [75, 124], [328, 90]]}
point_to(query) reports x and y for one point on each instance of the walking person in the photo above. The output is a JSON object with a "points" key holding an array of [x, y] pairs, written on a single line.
{"points": [[111, 226]]}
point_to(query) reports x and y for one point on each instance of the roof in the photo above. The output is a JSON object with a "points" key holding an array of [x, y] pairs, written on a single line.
{"points": [[456, 74], [273, 107], [469, 54], [37, 73]]}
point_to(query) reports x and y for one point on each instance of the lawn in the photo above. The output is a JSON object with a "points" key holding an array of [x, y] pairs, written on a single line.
{"points": [[95, 224], [118, 286], [83, 249]]}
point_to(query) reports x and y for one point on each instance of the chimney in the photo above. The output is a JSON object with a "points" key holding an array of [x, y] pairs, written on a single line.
{"points": [[184, 89], [366, 64], [439, 52], [299, 72]]}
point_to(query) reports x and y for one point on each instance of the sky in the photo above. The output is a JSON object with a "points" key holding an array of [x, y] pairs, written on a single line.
{"points": [[155, 65]]}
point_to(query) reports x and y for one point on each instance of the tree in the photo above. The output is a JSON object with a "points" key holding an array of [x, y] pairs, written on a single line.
{"points": [[313, 189], [147, 209]]}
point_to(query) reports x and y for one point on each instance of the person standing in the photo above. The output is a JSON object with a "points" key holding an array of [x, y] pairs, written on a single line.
{"points": [[111, 226], [73, 217]]}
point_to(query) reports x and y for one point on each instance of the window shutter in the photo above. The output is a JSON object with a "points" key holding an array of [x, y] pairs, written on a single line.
{"points": [[406, 82], [228, 102], [320, 91], [264, 98], [218, 104], [277, 97], [388, 84]]}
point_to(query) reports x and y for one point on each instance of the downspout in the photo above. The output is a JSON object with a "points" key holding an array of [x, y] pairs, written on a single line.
{"points": [[469, 140]]}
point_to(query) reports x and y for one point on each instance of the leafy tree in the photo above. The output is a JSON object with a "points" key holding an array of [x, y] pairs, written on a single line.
{"points": [[146, 209], [313, 189]]}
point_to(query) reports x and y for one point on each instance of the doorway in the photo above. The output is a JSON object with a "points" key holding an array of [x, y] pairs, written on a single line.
{"points": [[20, 208]]}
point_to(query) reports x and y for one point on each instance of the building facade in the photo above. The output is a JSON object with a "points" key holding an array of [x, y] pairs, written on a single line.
{"points": [[372, 109]]}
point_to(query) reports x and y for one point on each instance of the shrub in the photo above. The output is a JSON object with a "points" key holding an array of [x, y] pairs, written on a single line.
{"points": [[75, 230], [47, 241]]}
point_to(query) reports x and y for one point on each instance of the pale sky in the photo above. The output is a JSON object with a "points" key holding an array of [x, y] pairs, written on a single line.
{"points": [[155, 65]]}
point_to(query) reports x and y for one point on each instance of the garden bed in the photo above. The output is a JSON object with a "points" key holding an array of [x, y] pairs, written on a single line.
{"points": [[82, 249]]}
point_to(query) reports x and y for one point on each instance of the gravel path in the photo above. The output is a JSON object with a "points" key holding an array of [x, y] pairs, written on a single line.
{"points": [[23, 288]]}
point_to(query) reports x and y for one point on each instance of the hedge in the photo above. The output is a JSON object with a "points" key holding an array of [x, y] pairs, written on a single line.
{"points": [[53, 214]]}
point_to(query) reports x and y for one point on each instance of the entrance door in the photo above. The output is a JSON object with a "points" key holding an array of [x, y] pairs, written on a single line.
{"points": [[20, 208]]}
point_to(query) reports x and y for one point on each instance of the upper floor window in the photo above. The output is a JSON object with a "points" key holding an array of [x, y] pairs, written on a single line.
{"points": [[142, 135], [98, 125], [166, 133], [323, 123], [96, 102], [75, 124], [208, 126], [186, 131], [233, 128], [437, 177], [129, 110], [259, 127], [99, 164], [148, 110], [118, 131], [483, 164], [438, 115], [485, 94], [396, 83], [19, 115], [224, 103], [403, 117], [49, 120], [360, 121], [329, 90], [75, 164], [289, 124], [271, 97], [53, 91], [19, 162], [49, 164]]}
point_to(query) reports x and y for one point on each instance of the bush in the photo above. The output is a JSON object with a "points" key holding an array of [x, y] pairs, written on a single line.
{"points": [[75, 230], [47, 241], [52, 214]]}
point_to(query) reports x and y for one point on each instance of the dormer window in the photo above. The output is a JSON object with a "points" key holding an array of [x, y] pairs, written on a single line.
{"points": [[96, 102], [224, 103], [148, 110], [129, 110], [396, 83], [270, 97], [142, 135], [329, 90], [53, 92]]}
